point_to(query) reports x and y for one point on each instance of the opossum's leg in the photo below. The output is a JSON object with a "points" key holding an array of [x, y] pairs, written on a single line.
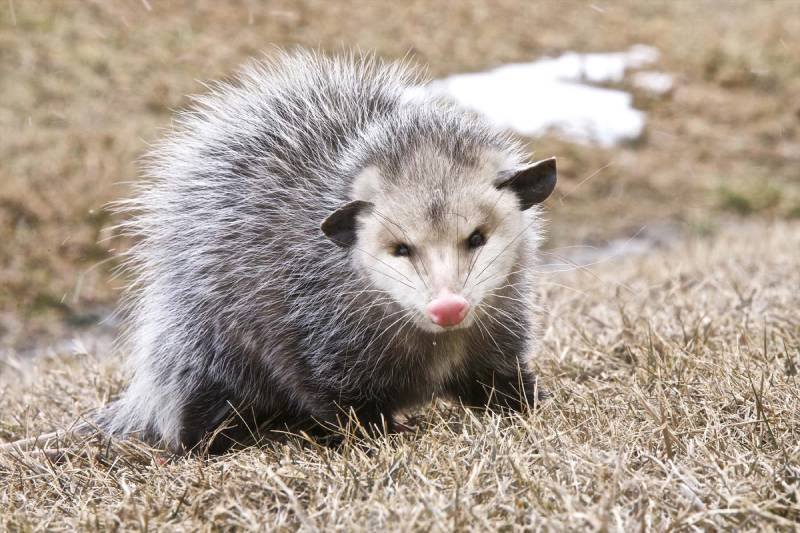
{"points": [[214, 421], [499, 390], [374, 418]]}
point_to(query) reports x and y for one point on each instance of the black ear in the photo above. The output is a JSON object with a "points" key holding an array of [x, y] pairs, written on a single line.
{"points": [[532, 184], [340, 226]]}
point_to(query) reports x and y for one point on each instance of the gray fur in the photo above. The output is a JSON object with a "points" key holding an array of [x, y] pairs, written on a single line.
{"points": [[240, 305]]}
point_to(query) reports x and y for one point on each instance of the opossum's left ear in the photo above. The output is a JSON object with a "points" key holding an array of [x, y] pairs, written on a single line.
{"points": [[533, 184], [340, 226]]}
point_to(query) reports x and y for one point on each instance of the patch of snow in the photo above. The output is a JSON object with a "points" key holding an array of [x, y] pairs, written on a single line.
{"points": [[597, 68], [553, 94], [658, 83]]}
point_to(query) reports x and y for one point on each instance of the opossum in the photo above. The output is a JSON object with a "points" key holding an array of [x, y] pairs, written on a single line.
{"points": [[318, 241]]}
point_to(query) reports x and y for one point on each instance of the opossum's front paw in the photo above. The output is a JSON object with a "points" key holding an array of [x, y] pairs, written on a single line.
{"points": [[534, 392], [410, 425], [500, 392], [366, 420], [543, 395], [513, 399]]}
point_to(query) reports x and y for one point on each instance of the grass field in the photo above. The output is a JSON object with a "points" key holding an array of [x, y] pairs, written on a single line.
{"points": [[676, 406], [676, 400]]}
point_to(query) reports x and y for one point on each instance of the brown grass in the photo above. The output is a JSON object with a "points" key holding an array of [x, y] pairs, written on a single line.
{"points": [[676, 407], [675, 375]]}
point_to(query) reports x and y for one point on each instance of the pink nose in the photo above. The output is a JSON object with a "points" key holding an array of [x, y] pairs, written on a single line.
{"points": [[448, 310]]}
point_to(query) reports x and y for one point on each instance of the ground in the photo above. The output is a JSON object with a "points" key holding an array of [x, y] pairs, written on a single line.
{"points": [[675, 405], [674, 371]]}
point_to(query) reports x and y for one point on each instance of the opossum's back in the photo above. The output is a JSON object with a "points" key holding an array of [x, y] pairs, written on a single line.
{"points": [[293, 113], [268, 147], [242, 184]]}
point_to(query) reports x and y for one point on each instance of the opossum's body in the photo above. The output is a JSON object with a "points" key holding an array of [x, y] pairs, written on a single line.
{"points": [[243, 309]]}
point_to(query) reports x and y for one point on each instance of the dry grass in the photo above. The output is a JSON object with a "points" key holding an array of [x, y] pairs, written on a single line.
{"points": [[676, 406], [675, 375]]}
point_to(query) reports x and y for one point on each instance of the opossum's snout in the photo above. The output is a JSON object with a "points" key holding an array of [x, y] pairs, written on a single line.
{"points": [[447, 309]]}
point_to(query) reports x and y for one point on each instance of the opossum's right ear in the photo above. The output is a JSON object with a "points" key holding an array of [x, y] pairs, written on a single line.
{"points": [[340, 226], [533, 184]]}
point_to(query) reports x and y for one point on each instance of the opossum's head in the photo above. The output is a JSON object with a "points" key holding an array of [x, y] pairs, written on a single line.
{"points": [[440, 238]]}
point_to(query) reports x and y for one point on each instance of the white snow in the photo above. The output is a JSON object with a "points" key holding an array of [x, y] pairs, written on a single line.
{"points": [[555, 94], [658, 83]]}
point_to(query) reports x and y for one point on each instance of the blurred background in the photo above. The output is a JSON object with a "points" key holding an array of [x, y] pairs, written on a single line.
{"points": [[86, 86]]}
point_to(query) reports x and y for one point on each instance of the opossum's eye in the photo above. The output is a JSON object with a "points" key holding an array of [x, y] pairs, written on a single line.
{"points": [[401, 250], [476, 239]]}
